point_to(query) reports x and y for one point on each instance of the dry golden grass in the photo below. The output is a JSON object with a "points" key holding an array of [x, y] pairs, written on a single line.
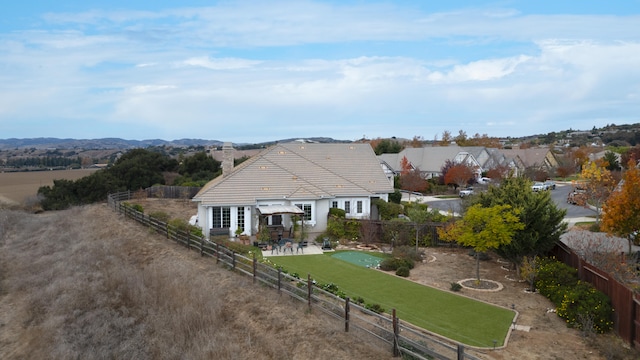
{"points": [[86, 284], [16, 188]]}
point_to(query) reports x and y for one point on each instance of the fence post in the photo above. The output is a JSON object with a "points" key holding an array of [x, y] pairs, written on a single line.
{"points": [[309, 285], [346, 314], [396, 348], [279, 280], [460, 352], [202, 246], [188, 236], [217, 253], [255, 268], [233, 259]]}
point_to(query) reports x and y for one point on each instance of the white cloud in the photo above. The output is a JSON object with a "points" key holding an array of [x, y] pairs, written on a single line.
{"points": [[481, 70], [221, 63], [379, 68]]}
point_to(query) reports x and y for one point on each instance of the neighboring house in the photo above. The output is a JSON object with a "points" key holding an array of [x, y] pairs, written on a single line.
{"points": [[536, 158], [430, 159], [311, 177]]}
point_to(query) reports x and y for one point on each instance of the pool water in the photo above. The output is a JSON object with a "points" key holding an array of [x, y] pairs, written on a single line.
{"points": [[358, 258]]}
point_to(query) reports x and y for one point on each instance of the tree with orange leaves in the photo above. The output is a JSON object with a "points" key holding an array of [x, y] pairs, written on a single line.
{"points": [[459, 175], [621, 212], [405, 166]]}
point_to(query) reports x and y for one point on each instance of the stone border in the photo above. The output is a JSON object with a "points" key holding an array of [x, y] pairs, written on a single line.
{"points": [[500, 286]]}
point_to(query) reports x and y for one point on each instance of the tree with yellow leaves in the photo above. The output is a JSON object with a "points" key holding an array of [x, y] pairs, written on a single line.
{"points": [[621, 212], [599, 184], [483, 229]]}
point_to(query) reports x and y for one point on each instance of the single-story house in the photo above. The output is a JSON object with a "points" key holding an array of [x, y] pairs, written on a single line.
{"points": [[539, 158], [313, 178], [430, 159]]}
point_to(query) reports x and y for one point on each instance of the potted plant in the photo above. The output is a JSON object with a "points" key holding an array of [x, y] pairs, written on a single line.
{"points": [[244, 239]]}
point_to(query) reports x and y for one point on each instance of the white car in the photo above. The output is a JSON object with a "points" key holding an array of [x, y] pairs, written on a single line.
{"points": [[539, 186], [466, 192]]}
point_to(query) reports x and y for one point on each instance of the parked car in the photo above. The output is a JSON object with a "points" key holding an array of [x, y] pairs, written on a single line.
{"points": [[577, 197], [551, 185], [484, 181], [466, 192], [538, 186]]}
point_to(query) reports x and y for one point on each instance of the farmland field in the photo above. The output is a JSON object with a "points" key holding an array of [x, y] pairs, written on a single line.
{"points": [[15, 187]]}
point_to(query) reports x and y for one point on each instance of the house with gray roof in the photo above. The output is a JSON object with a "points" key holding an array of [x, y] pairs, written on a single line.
{"points": [[539, 158], [430, 159], [311, 177]]}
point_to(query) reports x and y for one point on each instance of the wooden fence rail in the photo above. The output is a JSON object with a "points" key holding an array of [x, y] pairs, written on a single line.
{"points": [[404, 339]]}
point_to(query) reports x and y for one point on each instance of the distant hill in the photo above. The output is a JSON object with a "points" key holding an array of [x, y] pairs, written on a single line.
{"points": [[99, 144], [122, 144]]}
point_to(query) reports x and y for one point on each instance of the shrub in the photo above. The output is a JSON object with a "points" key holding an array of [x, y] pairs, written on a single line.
{"points": [[376, 308], [136, 207], [388, 210], [332, 288], [394, 263], [184, 226], [403, 271], [337, 212], [359, 300], [160, 216], [407, 252], [553, 279], [395, 197], [455, 286], [583, 301]]}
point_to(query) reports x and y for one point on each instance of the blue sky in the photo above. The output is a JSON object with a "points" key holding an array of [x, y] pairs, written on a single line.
{"points": [[254, 71]]}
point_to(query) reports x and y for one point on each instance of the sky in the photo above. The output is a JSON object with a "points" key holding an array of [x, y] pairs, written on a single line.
{"points": [[257, 71]]}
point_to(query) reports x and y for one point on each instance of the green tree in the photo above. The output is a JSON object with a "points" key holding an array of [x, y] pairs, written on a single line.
{"points": [[198, 169], [137, 169], [387, 146], [484, 228], [541, 217], [612, 161]]}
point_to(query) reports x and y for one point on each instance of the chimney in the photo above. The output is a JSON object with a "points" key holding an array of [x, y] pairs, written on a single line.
{"points": [[227, 158]]}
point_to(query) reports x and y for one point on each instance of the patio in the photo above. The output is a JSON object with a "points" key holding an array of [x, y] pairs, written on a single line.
{"points": [[283, 250]]}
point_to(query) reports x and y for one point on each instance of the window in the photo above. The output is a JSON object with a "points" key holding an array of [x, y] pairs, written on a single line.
{"points": [[241, 218], [221, 217], [347, 207], [334, 204], [307, 211], [359, 207]]}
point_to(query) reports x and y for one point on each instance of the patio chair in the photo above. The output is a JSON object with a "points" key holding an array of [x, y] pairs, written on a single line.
{"points": [[300, 247]]}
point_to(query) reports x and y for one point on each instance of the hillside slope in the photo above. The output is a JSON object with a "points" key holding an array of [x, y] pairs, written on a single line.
{"points": [[84, 283]]}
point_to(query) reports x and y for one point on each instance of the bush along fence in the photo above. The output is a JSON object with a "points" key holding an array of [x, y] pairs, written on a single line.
{"points": [[624, 300], [404, 339]]}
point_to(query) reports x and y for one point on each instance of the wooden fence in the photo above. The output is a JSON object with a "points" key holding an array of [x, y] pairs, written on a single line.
{"points": [[172, 192], [626, 322], [404, 339]]}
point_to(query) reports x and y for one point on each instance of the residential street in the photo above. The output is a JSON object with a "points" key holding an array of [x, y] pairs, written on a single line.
{"points": [[559, 195]]}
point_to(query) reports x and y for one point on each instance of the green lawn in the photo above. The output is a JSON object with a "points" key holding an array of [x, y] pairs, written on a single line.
{"points": [[459, 318]]}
